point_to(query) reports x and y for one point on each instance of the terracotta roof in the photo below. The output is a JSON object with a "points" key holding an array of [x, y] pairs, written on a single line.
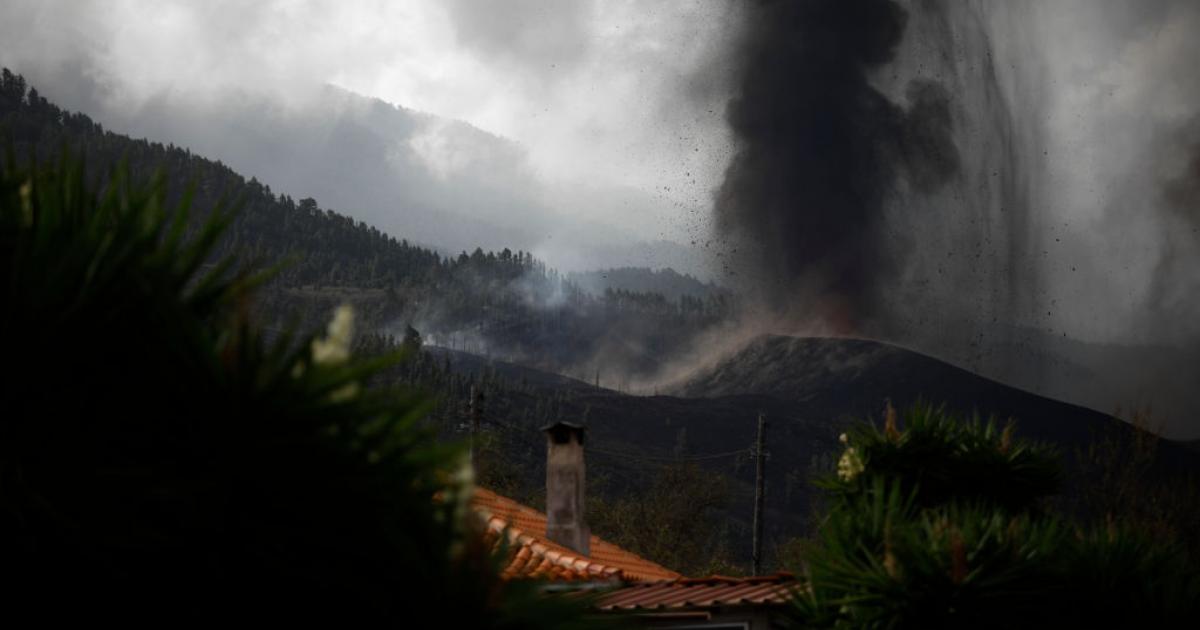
{"points": [[538, 557], [709, 592]]}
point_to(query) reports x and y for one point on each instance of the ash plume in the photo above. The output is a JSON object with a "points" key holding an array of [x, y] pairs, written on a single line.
{"points": [[1176, 281], [1008, 186], [819, 151]]}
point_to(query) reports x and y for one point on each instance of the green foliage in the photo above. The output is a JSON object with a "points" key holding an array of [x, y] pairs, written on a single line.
{"points": [[160, 458], [943, 460], [1124, 480], [673, 518], [905, 545], [1125, 577], [884, 562]]}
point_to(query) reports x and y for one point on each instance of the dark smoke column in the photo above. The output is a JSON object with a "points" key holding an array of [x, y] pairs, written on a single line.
{"points": [[819, 152]]}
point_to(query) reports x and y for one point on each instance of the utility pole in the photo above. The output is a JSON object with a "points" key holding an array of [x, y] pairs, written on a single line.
{"points": [[760, 484]]}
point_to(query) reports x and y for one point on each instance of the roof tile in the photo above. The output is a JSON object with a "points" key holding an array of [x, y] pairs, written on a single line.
{"points": [[706, 592], [527, 529]]}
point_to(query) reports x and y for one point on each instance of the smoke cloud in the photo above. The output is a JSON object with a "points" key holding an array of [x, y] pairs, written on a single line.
{"points": [[821, 149], [1009, 186]]}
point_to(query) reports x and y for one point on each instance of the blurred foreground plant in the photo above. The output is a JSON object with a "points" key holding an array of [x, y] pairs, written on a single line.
{"points": [[942, 459], [941, 525], [161, 458]]}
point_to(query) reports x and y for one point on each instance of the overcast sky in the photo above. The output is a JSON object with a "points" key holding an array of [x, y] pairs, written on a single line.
{"points": [[627, 95], [612, 95], [619, 107]]}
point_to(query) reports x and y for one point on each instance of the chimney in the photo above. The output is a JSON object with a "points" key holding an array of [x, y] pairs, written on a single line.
{"points": [[564, 487]]}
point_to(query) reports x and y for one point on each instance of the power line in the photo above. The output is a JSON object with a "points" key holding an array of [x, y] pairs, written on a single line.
{"points": [[686, 458], [650, 458]]}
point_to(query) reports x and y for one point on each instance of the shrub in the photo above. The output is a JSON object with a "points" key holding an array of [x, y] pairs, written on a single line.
{"points": [[942, 459], [161, 459], [918, 535]]}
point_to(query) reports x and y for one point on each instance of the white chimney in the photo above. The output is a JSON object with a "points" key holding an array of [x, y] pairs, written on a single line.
{"points": [[565, 524]]}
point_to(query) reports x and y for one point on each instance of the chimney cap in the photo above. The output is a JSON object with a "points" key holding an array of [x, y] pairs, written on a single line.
{"points": [[561, 431]]}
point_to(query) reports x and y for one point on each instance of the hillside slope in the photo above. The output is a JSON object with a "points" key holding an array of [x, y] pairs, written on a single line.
{"points": [[505, 302], [844, 377], [810, 389]]}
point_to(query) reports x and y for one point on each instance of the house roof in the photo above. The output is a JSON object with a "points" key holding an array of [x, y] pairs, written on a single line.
{"points": [[538, 557], [699, 593]]}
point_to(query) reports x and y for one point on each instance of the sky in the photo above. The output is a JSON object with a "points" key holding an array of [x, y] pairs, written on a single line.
{"points": [[620, 100], [618, 107]]}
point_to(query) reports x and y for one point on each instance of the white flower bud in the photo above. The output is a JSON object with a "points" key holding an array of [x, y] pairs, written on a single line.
{"points": [[335, 347]]}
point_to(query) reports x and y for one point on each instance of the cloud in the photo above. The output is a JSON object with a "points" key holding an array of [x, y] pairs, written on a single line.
{"points": [[621, 98], [535, 36]]}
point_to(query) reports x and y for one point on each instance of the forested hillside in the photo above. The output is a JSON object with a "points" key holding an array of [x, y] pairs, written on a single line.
{"points": [[505, 304], [668, 282]]}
